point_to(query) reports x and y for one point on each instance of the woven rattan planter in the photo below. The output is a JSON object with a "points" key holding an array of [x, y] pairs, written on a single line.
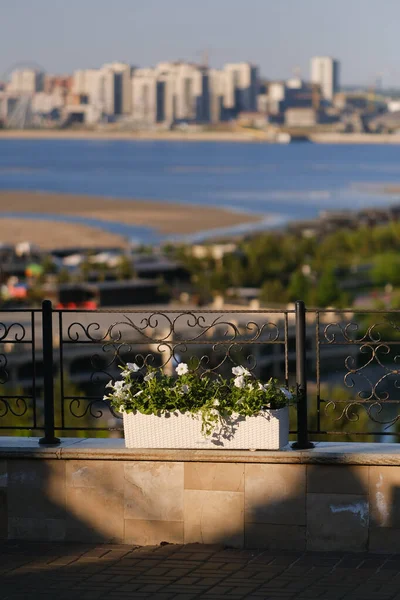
{"points": [[267, 431]]}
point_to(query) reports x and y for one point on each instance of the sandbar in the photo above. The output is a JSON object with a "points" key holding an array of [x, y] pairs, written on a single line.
{"points": [[163, 217], [56, 235]]}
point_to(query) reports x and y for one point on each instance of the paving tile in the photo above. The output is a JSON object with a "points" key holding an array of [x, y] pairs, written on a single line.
{"points": [[275, 537], [283, 575]]}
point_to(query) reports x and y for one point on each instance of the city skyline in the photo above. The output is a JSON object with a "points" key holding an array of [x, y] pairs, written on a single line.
{"points": [[62, 38]]}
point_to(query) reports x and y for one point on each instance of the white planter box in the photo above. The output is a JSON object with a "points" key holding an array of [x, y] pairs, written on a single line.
{"points": [[267, 431]]}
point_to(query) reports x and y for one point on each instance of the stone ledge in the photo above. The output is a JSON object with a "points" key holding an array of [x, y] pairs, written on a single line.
{"points": [[114, 449]]}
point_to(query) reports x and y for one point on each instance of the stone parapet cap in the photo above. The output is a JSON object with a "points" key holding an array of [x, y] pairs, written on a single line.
{"points": [[114, 449]]}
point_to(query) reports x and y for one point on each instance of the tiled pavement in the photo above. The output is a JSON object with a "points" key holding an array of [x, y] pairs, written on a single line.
{"points": [[61, 571]]}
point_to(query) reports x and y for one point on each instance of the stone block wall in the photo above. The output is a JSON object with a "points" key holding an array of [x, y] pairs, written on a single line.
{"points": [[271, 505]]}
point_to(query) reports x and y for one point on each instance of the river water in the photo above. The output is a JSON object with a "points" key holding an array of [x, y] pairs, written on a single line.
{"points": [[282, 182]]}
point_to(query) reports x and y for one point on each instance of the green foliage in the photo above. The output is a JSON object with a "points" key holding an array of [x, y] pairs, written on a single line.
{"points": [[85, 268], [328, 291], [212, 399], [48, 265], [386, 269], [299, 287], [35, 295], [64, 276], [340, 413], [273, 262], [125, 268], [101, 270], [273, 291]]}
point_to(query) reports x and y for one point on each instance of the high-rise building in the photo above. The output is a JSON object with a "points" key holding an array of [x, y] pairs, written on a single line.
{"points": [[54, 83], [166, 75], [186, 91], [276, 97], [171, 92], [117, 88], [192, 93], [108, 89], [3, 105], [325, 73], [45, 103], [89, 83], [26, 81], [144, 96], [241, 87], [217, 85]]}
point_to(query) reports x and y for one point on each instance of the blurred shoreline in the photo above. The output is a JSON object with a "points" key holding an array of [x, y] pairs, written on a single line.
{"points": [[179, 136], [246, 136], [52, 219]]}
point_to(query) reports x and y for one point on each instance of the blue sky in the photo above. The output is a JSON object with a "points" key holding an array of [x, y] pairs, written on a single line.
{"points": [[279, 35]]}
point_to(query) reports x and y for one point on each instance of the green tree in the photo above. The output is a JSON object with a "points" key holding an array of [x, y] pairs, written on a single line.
{"points": [[125, 269], [48, 265], [273, 291], [64, 276], [386, 269], [328, 291], [299, 287]]}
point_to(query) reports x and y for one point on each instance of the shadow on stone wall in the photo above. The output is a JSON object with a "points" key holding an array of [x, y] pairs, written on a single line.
{"points": [[41, 506], [276, 506]]}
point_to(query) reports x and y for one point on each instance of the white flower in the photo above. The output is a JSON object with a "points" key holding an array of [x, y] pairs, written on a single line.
{"points": [[138, 393], [182, 369], [239, 382], [286, 392], [237, 370], [110, 384], [105, 398], [149, 376], [250, 386], [240, 371], [130, 368], [185, 389], [216, 403], [263, 387], [120, 389]]}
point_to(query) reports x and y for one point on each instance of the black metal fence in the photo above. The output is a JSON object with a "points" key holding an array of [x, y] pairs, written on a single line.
{"points": [[344, 365]]}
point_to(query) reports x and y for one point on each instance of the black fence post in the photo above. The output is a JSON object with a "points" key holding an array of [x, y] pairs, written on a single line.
{"points": [[301, 379], [47, 334]]}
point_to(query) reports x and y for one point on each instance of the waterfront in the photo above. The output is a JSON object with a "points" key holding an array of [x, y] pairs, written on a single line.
{"points": [[274, 182]]}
